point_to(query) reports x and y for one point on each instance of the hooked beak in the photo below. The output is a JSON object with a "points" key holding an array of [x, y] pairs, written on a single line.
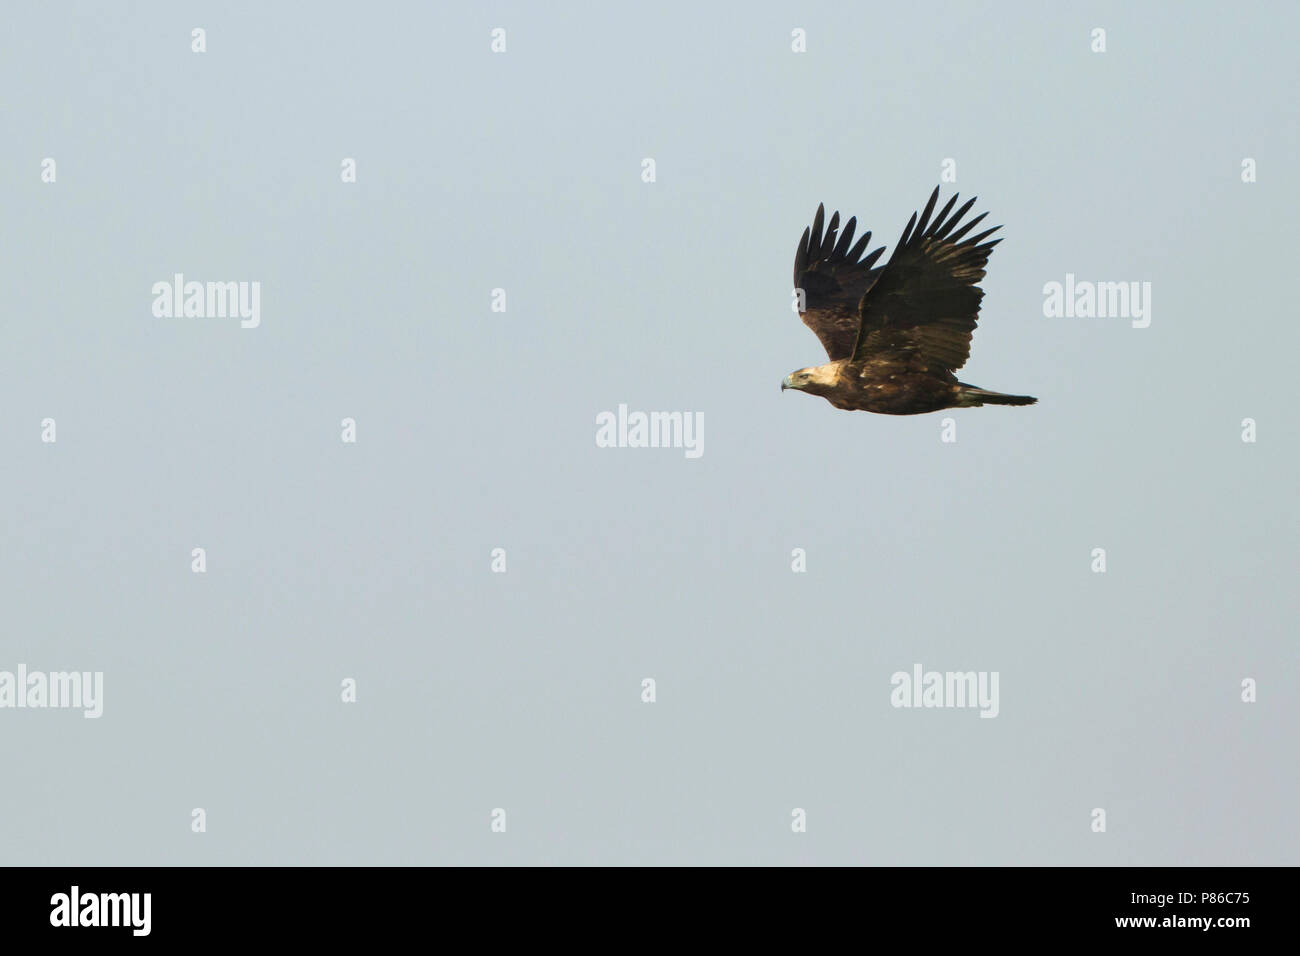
{"points": [[787, 382]]}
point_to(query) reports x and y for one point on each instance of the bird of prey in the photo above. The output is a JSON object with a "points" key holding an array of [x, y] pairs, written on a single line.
{"points": [[895, 335]]}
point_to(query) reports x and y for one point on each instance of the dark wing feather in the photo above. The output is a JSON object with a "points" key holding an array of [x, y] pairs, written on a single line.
{"points": [[833, 276], [925, 300]]}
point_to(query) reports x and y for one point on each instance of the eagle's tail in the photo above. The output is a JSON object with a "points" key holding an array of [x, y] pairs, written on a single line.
{"points": [[969, 395]]}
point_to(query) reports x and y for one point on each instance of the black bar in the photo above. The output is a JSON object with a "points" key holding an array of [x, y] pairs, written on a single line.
{"points": [[335, 905]]}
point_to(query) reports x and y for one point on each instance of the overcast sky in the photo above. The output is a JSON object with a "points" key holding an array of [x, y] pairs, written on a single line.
{"points": [[475, 430]]}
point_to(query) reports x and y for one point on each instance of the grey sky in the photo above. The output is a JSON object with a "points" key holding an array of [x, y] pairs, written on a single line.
{"points": [[476, 431]]}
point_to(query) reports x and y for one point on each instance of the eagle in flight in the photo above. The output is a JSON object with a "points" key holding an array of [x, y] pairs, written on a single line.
{"points": [[895, 335]]}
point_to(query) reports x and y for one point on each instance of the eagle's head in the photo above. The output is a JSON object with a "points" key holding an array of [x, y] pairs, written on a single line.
{"points": [[817, 380]]}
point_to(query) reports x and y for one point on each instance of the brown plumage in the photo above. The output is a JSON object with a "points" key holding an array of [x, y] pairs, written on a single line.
{"points": [[895, 335]]}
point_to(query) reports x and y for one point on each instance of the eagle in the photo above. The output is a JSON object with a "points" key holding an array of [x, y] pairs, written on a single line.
{"points": [[895, 335]]}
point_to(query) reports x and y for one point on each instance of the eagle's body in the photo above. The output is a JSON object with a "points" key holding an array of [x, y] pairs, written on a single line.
{"points": [[893, 384], [895, 335]]}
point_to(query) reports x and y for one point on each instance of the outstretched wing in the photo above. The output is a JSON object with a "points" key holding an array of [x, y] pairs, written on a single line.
{"points": [[833, 278], [925, 300]]}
